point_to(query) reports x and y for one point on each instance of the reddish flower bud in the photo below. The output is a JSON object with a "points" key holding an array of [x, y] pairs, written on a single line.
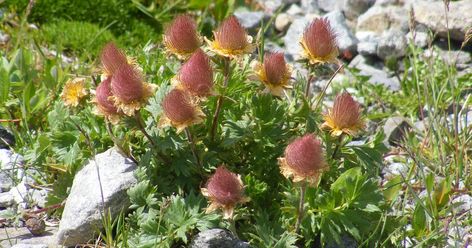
{"points": [[112, 58], [275, 68], [181, 36], [225, 190], [344, 117], [303, 160], [196, 75], [179, 110], [231, 39], [319, 42]]}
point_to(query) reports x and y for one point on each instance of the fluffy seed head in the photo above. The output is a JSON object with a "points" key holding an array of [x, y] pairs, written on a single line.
{"points": [[127, 84], [225, 187], [196, 75], [231, 35], [319, 41], [181, 35], [304, 155], [275, 67], [178, 107], [346, 111], [112, 58], [103, 93]]}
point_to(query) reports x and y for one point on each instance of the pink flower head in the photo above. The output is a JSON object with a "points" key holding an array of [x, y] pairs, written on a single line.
{"points": [[181, 36], [112, 58], [275, 68], [224, 190], [344, 117], [179, 110], [196, 75], [303, 160], [231, 34], [127, 84], [103, 93], [319, 42]]}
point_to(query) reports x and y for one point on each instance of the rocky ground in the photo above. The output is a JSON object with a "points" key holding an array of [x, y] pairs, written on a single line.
{"points": [[371, 34]]}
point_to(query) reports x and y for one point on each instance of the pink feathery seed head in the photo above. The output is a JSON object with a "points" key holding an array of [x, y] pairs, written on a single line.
{"points": [[127, 84], [304, 155], [177, 106], [103, 92], [346, 111], [182, 35], [196, 75], [275, 67], [320, 38], [112, 57], [231, 35], [225, 187]]}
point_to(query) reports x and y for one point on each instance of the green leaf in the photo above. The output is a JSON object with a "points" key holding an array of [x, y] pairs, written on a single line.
{"points": [[419, 220], [393, 188]]}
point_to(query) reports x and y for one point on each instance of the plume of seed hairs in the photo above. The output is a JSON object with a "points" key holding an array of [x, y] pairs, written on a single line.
{"points": [[103, 92], [182, 35], [177, 106], [231, 35], [225, 187], [346, 111], [275, 67], [320, 38], [127, 84], [304, 155], [196, 75], [112, 58]]}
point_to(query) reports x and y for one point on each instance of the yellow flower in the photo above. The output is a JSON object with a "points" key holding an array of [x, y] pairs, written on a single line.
{"points": [[303, 161], [344, 117], [224, 190], [274, 73], [180, 111], [319, 42], [231, 39], [73, 91]]}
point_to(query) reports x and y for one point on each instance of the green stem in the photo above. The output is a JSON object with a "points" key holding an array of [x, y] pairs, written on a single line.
{"points": [[140, 123], [191, 141], [308, 82], [301, 206], [232, 227], [219, 103]]}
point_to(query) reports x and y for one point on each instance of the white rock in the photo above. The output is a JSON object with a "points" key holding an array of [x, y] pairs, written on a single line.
{"points": [[282, 21], [250, 19], [377, 76], [310, 6], [464, 203], [294, 10], [6, 200], [392, 44], [29, 246], [432, 15], [81, 214], [353, 8], [421, 39], [20, 194], [395, 169], [379, 19]]}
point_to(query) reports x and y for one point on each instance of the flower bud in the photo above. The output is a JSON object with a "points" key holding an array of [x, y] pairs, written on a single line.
{"points": [[319, 42], [196, 75], [112, 58], [181, 36], [231, 39], [274, 73], [303, 160], [179, 110], [344, 117], [224, 190]]}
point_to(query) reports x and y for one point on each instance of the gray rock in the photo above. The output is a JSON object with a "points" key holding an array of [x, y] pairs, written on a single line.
{"points": [[282, 21], [345, 38], [420, 126], [377, 76], [354, 8], [6, 200], [395, 129], [368, 42], [310, 6], [20, 195], [30, 246], [21, 237], [250, 20], [432, 15], [379, 18], [294, 10], [81, 216], [458, 234], [392, 44], [329, 5], [217, 238], [39, 197], [395, 169], [270, 6], [460, 59], [7, 139], [463, 202], [346, 241], [421, 39]]}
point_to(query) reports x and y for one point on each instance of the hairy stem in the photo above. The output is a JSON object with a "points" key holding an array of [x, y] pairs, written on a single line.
{"points": [[118, 143], [140, 122], [301, 205], [323, 92], [191, 141], [232, 227], [219, 103], [308, 82]]}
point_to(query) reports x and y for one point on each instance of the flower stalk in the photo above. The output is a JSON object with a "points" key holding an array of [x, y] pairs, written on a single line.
{"points": [[301, 208], [193, 147], [219, 103]]}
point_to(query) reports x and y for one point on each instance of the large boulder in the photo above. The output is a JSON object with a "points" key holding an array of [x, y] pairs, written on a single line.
{"points": [[381, 18], [83, 208], [432, 15]]}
